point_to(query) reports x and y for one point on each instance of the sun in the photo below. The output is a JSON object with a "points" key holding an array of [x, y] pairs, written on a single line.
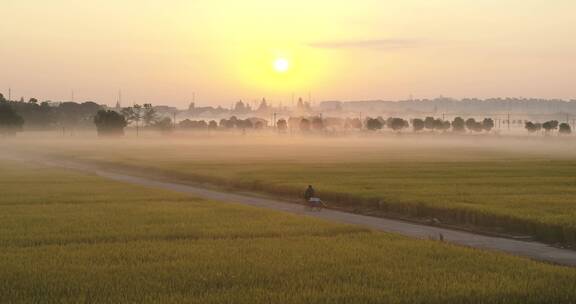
{"points": [[281, 65]]}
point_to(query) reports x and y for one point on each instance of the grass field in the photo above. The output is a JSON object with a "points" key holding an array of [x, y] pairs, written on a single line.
{"points": [[72, 238], [523, 186]]}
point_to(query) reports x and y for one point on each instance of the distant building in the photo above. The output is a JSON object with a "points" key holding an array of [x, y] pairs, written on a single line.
{"points": [[331, 106], [263, 108], [241, 108]]}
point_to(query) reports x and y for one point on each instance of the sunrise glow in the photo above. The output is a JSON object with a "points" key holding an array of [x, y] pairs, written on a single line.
{"points": [[281, 65]]}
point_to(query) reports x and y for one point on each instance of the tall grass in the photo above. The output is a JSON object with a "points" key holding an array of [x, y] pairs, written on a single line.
{"points": [[534, 198], [504, 186], [72, 238]]}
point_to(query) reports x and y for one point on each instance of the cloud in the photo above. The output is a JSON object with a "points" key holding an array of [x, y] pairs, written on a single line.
{"points": [[381, 44]]}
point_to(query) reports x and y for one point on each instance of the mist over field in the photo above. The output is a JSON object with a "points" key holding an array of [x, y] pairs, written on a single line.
{"points": [[426, 176], [516, 187], [238, 146], [257, 151]]}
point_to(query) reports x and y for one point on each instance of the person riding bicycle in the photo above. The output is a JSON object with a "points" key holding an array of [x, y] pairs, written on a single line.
{"points": [[316, 203], [311, 199], [309, 193]]}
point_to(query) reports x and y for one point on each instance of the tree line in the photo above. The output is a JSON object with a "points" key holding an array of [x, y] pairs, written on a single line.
{"points": [[14, 115], [50, 115], [431, 124], [110, 122], [35, 115], [452, 105], [534, 127], [68, 116]]}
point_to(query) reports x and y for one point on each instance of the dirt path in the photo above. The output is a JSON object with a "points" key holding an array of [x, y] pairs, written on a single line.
{"points": [[534, 250]]}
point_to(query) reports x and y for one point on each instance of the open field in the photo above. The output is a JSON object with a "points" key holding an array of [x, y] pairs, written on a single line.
{"points": [[524, 186], [68, 237]]}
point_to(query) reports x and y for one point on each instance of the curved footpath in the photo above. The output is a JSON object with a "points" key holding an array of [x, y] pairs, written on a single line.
{"points": [[530, 249]]}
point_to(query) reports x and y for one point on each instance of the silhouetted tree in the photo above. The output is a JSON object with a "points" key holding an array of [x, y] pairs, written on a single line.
{"points": [[473, 125], [438, 124], [429, 123], [36, 116], [397, 124], [244, 124], [133, 115], [488, 124], [109, 123], [458, 124], [193, 124], [550, 125], [233, 121], [213, 125], [470, 122], [418, 124], [533, 127], [538, 126], [282, 125], [10, 121], [149, 115], [227, 123], [565, 129], [202, 124], [446, 125], [71, 115], [373, 124], [164, 125]]}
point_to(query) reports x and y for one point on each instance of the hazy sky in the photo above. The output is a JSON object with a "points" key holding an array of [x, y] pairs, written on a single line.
{"points": [[162, 51]]}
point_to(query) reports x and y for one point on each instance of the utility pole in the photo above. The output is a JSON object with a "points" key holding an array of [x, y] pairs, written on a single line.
{"points": [[274, 117], [137, 127], [174, 119], [72, 95], [508, 120], [9, 94]]}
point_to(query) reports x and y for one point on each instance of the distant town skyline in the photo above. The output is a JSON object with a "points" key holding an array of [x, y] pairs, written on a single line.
{"points": [[165, 52]]}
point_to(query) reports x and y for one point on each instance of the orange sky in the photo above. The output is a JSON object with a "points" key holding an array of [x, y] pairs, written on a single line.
{"points": [[164, 51]]}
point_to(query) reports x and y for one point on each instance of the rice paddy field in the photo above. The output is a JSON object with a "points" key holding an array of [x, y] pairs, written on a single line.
{"points": [[502, 184], [67, 237]]}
